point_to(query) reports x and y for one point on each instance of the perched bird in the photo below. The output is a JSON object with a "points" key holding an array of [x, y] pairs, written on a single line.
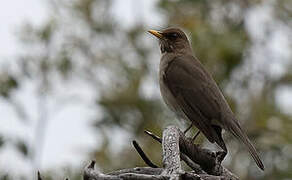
{"points": [[191, 92]]}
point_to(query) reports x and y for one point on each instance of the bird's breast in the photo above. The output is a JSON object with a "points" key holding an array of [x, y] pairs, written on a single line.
{"points": [[166, 94]]}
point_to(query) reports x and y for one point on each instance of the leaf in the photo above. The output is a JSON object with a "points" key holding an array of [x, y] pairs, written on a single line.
{"points": [[1, 141], [7, 83], [22, 147]]}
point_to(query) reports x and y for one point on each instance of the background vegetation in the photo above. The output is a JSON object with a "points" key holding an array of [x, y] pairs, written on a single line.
{"points": [[246, 45]]}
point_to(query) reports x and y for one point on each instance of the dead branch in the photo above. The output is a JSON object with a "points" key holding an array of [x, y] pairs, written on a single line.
{"points": [[206, 164], [143, 155], [184, 157]]}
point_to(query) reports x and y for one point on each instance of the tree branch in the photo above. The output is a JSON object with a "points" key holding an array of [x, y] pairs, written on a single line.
{"points": [[171, 153], [184, 157], [205, 163], [143, 155]]}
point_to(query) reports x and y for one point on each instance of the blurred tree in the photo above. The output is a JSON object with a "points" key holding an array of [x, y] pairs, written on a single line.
{"points": [[76, 46], [224, 42], [84, 45]]}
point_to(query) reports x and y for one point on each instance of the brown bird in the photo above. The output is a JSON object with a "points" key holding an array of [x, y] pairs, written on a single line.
{"points": [[191, 92]]}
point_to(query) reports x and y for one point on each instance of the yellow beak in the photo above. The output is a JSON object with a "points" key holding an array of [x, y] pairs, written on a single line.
{"points": [[156, 33]]}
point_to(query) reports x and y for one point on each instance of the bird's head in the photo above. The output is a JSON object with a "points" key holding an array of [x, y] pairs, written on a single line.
{"points": [[172, 40]]}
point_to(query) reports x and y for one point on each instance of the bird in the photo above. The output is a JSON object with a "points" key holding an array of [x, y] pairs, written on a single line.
{"points": [[190, 91]]}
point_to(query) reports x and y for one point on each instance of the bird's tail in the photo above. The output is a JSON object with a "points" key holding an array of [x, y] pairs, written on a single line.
{"points": [[237, 131]]}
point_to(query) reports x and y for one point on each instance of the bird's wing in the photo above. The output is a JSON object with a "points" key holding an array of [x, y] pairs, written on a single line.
{"points": [[196, 93]]}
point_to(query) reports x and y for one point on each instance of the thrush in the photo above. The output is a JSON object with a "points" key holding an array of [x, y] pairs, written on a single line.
{"points": [[191, 92]]}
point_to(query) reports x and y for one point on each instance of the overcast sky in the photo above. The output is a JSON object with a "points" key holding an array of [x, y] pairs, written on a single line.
{"points": [[59, 147]]}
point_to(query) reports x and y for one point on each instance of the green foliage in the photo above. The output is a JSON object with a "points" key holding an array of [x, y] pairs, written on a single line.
{"points": [[5, 177], [8, 83], [1, 141], [65, 65], [22, 147]]}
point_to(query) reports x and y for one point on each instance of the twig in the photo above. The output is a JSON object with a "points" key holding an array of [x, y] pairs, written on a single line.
{"points": [[153, 136], [143, 155], [175, 146], [202, 161], [196, 135], [184, 157], [131, 174], [39, 176], [138, 170], [208, 160], [191, 164]]}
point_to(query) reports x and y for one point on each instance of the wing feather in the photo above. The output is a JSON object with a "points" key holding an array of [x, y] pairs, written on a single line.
{"points": [[195, 92]]}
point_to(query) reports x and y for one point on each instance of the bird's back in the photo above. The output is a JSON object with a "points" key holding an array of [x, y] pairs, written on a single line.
{"points": [[192, 93], [200, 80]]}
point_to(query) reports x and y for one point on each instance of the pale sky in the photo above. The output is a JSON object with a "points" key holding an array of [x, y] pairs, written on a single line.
{"points": [[12, 14], [60, 149]]}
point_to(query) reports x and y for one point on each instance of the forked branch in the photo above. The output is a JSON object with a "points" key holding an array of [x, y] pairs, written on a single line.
{"points": [[205, 163]]}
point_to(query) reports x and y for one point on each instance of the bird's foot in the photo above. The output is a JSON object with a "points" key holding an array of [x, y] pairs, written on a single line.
{"points": [[185, 131], [221, 155], [196, 135]]}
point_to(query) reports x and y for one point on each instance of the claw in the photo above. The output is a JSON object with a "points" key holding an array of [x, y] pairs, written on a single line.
{"points": [[197, 134], [185, 131]]}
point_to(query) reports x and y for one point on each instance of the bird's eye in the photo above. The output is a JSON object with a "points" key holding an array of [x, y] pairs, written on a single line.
{"points": [[173, 35]]}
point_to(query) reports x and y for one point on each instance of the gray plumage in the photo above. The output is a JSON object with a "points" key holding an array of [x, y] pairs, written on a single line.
{"points": [[191, 92]]}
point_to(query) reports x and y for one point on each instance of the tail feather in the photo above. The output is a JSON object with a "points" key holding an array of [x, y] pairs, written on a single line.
{"points": [[239, 133]]}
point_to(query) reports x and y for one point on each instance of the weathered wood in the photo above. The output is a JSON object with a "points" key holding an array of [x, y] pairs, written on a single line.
{"points": [[138, 170], [210, 161], [206, 164], [184, 157], [127, 174], [145, 173], [171, 153]]}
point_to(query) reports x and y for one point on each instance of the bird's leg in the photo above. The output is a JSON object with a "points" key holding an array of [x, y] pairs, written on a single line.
{"points": [[221, 154], [185, 131], [196, 135]]}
